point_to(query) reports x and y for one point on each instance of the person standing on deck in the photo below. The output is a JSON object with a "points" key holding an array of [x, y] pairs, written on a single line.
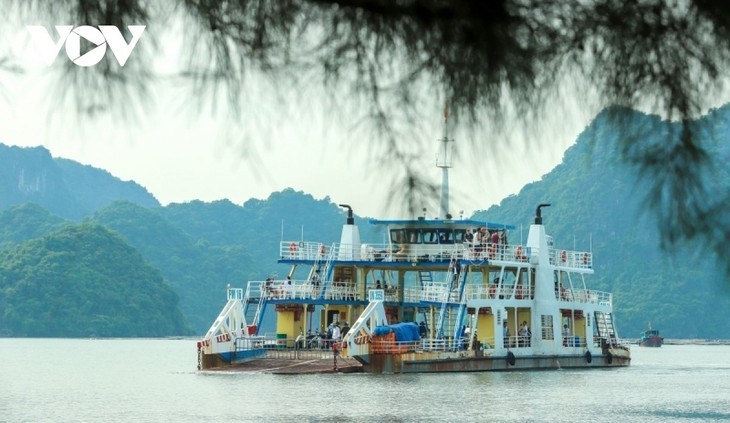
{"points": [[505, 331], [287, 287], [525, 334], [495, 243], [336, 332]]}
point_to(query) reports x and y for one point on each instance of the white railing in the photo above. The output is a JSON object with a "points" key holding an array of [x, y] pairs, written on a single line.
{"points": [[345, 292], [431, 292], [502, 292], [434, 291], [307, 250], [585, 296], [574, 259]]}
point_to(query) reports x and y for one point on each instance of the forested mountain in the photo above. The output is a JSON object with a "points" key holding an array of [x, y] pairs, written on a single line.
{"points": [[63, 187], [196, 269], [598, 202], [26, 221], [80, 281]]}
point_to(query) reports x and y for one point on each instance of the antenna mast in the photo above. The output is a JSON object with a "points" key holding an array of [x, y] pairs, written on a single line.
{"points": [[443, 161]]}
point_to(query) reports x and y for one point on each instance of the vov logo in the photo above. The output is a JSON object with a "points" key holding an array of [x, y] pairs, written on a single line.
{"points": [[71, 37]]}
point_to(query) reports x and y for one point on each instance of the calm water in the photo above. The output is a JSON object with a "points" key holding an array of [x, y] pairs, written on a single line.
{"points": [[63, 380]]}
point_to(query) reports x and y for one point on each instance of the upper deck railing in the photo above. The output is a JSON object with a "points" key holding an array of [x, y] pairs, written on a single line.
{"points": [[574, 259], [312, 251], [433, 292]]}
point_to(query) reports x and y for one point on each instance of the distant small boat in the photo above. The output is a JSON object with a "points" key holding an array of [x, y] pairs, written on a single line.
{"points": [[651, 338]]}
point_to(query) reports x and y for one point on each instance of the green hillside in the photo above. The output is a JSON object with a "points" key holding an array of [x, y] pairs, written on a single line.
{"points": [[82, 281], [599, 202], [63, 187], [196, 269], [26, 221]]}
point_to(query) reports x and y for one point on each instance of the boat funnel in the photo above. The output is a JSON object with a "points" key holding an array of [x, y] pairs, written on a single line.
{"points": [[350, 219], [349, 247], [538, 214]]}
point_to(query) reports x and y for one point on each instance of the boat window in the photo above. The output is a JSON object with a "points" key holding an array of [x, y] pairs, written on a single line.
{"points": [[397, 236], [430, 236], [459, 235], [413, 236], [446, 236], [546, 321]]}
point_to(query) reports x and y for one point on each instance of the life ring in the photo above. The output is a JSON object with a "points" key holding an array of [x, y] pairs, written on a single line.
{"points": [[585, 258], [563, 256], [323, 249], [492, 291], [609, 357], [292, 248], [511, 358], [589, 357]]}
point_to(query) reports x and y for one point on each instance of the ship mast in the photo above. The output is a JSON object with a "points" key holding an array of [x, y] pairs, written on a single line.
{"points": [[443, 160]]}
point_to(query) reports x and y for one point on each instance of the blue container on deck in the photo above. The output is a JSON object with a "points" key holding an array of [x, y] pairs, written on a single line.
{"points": [[404, 332]]}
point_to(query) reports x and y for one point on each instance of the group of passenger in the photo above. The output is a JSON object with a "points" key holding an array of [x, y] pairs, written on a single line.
{"points": [[388, 289], [524, 338], [485, 244]]}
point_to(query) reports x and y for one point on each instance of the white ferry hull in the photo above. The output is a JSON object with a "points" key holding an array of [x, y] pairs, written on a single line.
{"points": [[470, 362]]}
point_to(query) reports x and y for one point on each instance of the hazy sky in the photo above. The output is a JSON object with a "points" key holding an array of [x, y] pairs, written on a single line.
{"points": [[180, 154]]}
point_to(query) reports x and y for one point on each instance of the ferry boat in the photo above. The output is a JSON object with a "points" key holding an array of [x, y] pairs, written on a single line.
{"points": [[651, 338], [439, 295]]}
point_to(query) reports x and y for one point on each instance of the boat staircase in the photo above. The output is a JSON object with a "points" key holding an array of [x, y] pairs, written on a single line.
{"points": [[254, 295], [425, 277], [461, 308], [605, 327], [326, 273], [452, 305]]}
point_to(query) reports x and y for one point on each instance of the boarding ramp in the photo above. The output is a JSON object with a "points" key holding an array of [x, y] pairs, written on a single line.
{"points": [[357, 340]]}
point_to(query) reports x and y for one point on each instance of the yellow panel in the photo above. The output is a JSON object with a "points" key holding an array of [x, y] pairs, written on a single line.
{"points": [[485, 329], [285, 323], [580, 327]]}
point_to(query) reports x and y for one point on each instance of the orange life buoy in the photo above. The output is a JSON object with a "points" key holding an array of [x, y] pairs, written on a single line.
{"points": [[563, 256]]}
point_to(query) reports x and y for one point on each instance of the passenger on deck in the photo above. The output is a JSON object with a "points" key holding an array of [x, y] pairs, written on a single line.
{"points": [[422, 330], [315, 284], [479, 241], [336, 332], [505, 331], [345, 329], [525, 334], [267, 287], [468, 244], [495, 244], [566, 335], [288, 287], [377, 284]]}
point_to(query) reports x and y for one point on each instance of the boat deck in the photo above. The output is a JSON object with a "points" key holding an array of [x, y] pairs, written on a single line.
{"points": [[291, 366]]}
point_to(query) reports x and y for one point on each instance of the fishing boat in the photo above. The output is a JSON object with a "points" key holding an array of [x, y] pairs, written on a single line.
{"points": [[436, 295], [651, 338]]}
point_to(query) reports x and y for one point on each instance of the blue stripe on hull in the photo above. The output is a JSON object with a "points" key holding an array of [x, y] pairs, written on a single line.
{"points": [[241, 356]]}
